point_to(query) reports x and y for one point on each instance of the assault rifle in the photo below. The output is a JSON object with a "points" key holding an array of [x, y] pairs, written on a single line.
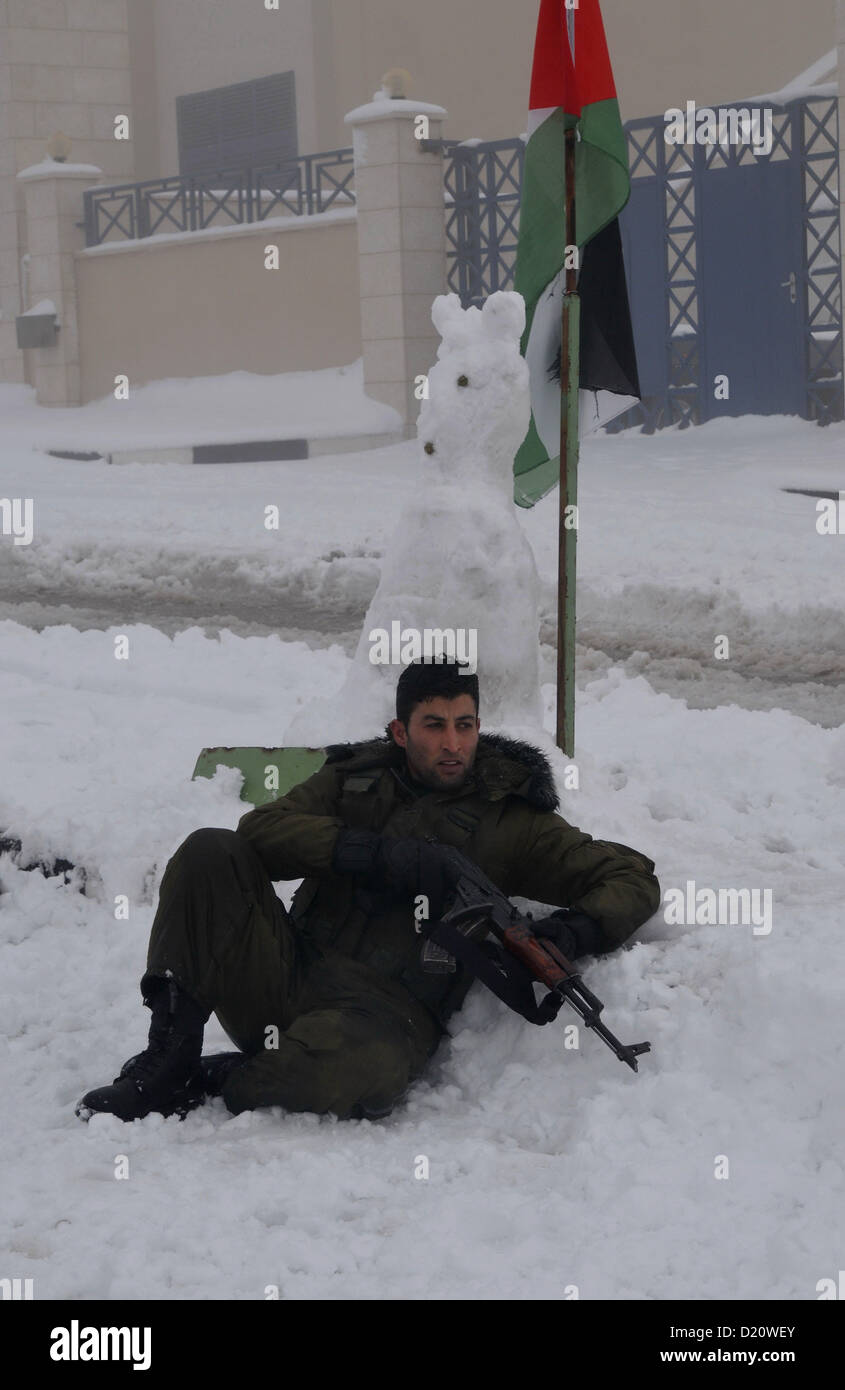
{"points": [[477, 908]]}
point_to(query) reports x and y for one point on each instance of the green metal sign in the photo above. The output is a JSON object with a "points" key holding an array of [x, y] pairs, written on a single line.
{"points": [[267, 772]]}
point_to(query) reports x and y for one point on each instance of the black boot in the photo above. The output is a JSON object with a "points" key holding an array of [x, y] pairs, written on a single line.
{"points": [[165, 1078]]}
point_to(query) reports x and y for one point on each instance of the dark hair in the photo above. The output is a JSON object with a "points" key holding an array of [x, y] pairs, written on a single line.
{"points": [[425, 680]]}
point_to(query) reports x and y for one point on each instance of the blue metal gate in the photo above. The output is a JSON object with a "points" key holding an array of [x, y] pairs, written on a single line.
{"points": [[732, 261]]}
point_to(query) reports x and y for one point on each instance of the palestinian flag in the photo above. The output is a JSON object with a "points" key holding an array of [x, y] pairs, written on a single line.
{"points": [[572, 86]]}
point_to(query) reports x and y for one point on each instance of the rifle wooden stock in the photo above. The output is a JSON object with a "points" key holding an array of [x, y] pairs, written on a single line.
{"points": [[546, 962]]}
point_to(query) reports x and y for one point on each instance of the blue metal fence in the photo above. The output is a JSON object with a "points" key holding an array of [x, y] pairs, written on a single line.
{"points": [[483, 180], [193, 202]]}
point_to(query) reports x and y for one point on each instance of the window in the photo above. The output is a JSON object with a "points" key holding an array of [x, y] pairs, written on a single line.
{"points": [[231, 127]]}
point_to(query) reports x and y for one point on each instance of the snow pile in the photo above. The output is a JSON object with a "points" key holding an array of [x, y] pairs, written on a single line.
{"points": [[548, 1166], [179, 412]]}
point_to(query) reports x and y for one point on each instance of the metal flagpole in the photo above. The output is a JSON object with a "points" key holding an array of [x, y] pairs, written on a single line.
{"points": [[567, 531]]}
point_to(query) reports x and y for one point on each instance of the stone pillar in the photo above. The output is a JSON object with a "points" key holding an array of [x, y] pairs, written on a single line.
{"points": [[840, 46], [401, 246], [53, 198], [11, 362]]}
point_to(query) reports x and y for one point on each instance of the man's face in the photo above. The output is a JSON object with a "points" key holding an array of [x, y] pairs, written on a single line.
{"points": [[441, 740]]}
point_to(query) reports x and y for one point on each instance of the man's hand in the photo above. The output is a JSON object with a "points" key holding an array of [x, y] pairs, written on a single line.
{"points": [[406, 867], [573, 932]]}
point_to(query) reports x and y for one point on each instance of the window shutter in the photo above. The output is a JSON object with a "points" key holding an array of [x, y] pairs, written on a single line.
{"points": [[197, 120], [231, 127]]}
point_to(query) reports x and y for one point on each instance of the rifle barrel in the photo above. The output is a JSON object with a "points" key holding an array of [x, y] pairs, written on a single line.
{"points": [[626, 1052]]}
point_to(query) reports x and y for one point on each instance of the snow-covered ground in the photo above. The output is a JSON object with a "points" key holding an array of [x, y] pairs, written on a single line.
{"points": [[547, 1167], [684, 535]]}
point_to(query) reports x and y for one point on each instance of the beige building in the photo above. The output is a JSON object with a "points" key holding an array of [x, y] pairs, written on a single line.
{"points": [[150, 88]]}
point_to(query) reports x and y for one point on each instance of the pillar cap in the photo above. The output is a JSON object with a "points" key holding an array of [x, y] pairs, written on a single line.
{"points": [[55, 169], [385, 107]]}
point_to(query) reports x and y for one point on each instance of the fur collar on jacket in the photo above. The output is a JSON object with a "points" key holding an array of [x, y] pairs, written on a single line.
{"points": [[502, 766]]}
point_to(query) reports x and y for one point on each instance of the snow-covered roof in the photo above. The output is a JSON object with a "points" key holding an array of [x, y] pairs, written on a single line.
{"points": [[44, 306], [392, 106], [57, 167], [819, 79]]}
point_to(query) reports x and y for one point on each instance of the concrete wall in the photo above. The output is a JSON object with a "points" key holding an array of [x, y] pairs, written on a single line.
{"points": [[213, 43], [471, 56], [475, 58], [11, 361], [64, 65], [202, 304], [840, 40], [143, 77]]}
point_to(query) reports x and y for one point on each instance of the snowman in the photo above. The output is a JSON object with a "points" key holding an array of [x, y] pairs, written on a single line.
{"points": [[458, 562]]}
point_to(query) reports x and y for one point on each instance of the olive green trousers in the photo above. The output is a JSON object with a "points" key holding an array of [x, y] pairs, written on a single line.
{"points": [[320, 1031]]}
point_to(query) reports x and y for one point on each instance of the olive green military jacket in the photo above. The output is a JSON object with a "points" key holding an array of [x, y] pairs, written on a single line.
{"points": [[503, 818]]}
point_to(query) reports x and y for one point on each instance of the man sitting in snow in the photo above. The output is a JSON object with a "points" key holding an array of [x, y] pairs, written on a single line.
{"points": [[329, 1003]]}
